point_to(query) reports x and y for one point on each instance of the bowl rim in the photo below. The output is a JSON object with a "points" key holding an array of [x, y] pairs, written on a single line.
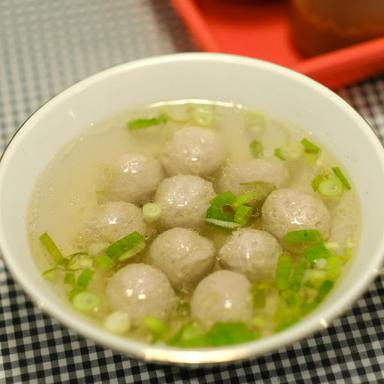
{"points": [[199, 356]]}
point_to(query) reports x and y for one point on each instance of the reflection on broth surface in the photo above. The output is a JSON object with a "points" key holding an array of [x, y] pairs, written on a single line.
{"points": [[193, 223]]}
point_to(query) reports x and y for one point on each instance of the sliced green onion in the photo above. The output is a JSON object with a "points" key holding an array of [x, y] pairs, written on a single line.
{"points": [[258, 321], [103, 262], [278, 153], [316, 252], [203, 116], [132, 252], [316, 182], [255, 118], [156, 327], [189, 336], [126, 243], [246, 198], [117, 322], [310, 147], [79, 260], [51, 248], [301, 237], [315, 277], [242, 214], [283, 271], [256, 148], [229, 333], [50, 274], [96, 248], [75, 290], [151, 212], [298, 275], [225, 198], [324, 289], [333, 267], [291, 150], [223, 224], [85, 278], [330, 187], [340, 175], [217, 213], [259, 293], [69, 278], [137, 124], [86, 301]]}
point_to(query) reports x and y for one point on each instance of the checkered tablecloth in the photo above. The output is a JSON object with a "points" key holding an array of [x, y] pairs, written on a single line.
{"points": [[47, 45]]}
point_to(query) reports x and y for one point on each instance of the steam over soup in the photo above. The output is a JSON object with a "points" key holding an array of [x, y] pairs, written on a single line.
{"points": [[193, 223]]}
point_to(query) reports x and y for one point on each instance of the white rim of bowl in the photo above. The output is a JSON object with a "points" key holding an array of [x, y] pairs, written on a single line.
{"points": [[201, 356]]}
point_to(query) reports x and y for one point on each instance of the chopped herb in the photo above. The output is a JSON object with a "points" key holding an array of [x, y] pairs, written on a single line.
{"points": [[340, 175], [291, 150], [69, 278], [259, 292], [151, 212], [85, 301], [137, 124], [223, 224], [85, 278], [283, 271], [310, 147], [256, 148], [247, 198], [305, 236], [225, 198], [117, 322], [260, 189], [298, 275], [278, 153], [103, 261], [316, 252], [316, 182], [242, 214], [330, 187], [255, 118], [50, 274], [214, 212], [132, 252], [156, 327], [229, 333], [189, 336], [324, 289], [51, 248], [120, 247]]}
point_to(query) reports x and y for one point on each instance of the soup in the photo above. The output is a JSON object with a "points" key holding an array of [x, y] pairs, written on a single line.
{"points": [[193, 223]]}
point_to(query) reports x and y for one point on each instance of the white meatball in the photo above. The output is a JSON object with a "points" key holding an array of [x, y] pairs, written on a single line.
{"points": [[134, 178], [222, 296], [184, 200], [193, 151], [113, 220], [140, 290], [288, 210], [247, 171], [251, 252], [184, 256]]}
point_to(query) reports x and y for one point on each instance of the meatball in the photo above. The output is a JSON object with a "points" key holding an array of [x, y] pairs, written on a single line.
{"points": [[194, 151], [248, 171], [251, 252], [113, 220], [288, 210], [184, 200], [220, 297], [184, 256], [140, 290], [134, 178]]}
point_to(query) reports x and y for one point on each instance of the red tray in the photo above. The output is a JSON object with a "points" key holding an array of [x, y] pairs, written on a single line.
{"points": [[260, 29]]}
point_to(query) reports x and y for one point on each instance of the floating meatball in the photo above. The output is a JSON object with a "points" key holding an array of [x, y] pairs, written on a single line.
{"points": [[288, 210], [194, 151], [184, 200], [236, 175], [140, 290], [222, 296], [184, 256], [113, 220], [251, 252], [134, 178]]}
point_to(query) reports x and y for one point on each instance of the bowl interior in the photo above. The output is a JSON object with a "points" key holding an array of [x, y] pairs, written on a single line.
{"points": [[278, 91]]}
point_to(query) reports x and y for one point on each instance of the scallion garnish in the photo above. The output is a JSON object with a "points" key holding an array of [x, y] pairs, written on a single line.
{"points": [[242, 214], [303, 237], [316, 252], [85, 278], [120, 247], [51, 248], [290, 150], [189, 336], [229, 333], [156, 326], [117, 322], [137, 124], [85, 301], [279, 154], [151, 212], [310, 147], [259, 292], [217, 213], [298, 275], [256, 148], [103, 261], [223, 224], [260, 189], [225, 198], [330, 187], [324, 289], [340, 175], [283, 271]]}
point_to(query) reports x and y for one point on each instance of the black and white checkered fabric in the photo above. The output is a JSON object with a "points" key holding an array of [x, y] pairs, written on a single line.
{"points": [[47, 45]]}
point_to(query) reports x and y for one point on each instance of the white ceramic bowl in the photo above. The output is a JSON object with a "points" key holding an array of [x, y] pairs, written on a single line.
{"points": [[279, 91]]}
